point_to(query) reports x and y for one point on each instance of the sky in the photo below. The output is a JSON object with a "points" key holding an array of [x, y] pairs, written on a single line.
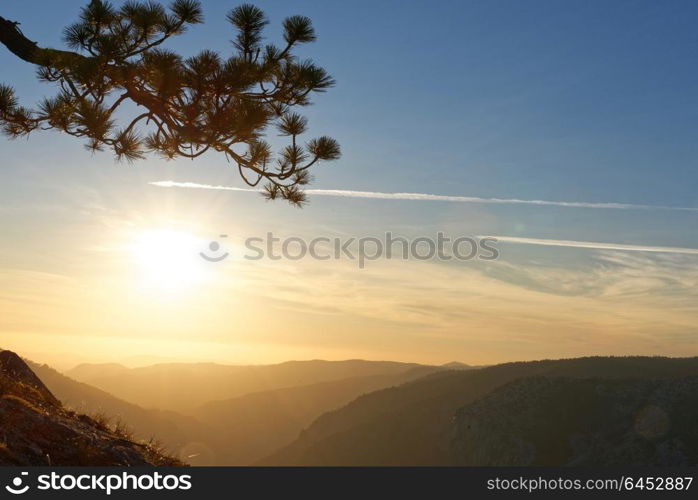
{"points": [[565, 129]]}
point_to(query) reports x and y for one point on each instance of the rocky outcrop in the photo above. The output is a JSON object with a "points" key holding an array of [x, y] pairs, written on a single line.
{"points": [[35, 429], [14, 370]]}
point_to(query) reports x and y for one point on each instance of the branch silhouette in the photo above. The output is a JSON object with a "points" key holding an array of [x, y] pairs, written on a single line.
{"points": [[185, 106]]}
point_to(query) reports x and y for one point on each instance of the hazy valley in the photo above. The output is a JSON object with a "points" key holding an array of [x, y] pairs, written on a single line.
{"points": [[576, 411]]}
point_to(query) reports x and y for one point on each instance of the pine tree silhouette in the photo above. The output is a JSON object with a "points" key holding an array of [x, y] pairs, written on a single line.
{"points": [[185, 107]]}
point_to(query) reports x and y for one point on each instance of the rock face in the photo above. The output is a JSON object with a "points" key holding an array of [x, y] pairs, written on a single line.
{"points": [[36, 430], [13, 368], [562, 421]]}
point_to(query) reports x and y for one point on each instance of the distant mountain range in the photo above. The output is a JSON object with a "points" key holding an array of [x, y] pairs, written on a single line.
{"points": [[185, 386], [598, 410], [236, 430], [414, 424]]}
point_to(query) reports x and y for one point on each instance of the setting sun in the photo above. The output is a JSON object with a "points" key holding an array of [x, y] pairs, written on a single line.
{"points": [[168, 260]]}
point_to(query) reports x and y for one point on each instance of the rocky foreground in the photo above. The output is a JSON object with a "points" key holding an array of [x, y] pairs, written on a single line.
{"points": [[35, 428]]}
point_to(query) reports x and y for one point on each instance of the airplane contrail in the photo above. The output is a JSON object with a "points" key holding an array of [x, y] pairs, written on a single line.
{"points": [[593, 245], [432, 197]]}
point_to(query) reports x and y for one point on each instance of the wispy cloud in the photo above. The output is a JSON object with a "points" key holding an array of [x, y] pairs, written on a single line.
{"points": [[432, 197], [594, 245], [194, 185]]}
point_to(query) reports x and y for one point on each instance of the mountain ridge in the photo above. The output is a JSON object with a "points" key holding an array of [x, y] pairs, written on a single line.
{"points": [[183, 387], [412, 424]]}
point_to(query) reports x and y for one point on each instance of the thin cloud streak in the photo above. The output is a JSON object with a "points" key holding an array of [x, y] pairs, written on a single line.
{"points": [[431, 197], [593, 245]]}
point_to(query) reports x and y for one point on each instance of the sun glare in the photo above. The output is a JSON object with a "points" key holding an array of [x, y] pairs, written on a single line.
{"points": [[168, 260]]}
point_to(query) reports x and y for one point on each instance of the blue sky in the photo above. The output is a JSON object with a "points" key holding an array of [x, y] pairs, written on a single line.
{"points": [[566, 101], [591, 101]]}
